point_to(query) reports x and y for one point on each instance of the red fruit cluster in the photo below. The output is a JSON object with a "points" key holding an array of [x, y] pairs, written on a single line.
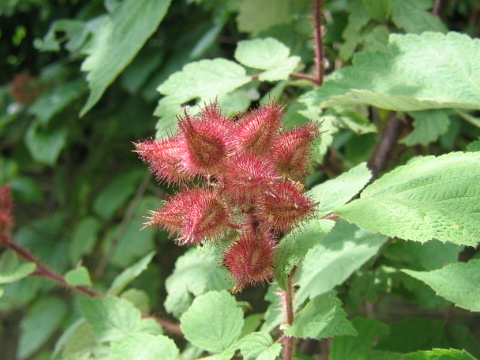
{"points": [[5, 212], [247, 172]]}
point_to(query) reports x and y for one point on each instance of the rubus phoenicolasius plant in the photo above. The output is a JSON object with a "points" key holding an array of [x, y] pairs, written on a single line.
{"points": [[240, 184]]}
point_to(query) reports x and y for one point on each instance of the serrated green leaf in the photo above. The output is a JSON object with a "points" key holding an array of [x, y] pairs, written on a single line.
{"points": [[335, 258], [143, 346], [338, 191], [113, 318], [358, 17], [255, 16], [205, 80], [259, 346], [12, 270], [127, 275], [84, 238], [139, 298], [439, 354], [45, 146], [196, 272], [458, 283], [321, 318], [474, 146], [267, 54], [41, 321], [294, 246], [251, 323], [379, 10], [56, 100], [432, 197], [274, 316], [428, 126], [213, 322], [413, 17], [75, 338], [117, 42], [400, 79], [358, 347], [78, 277], [76, 31]]}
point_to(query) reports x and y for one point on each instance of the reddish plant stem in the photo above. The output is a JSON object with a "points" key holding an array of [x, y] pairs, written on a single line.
{"points": [[317, 31], [45, 272], [325, 346], [288, 294]]}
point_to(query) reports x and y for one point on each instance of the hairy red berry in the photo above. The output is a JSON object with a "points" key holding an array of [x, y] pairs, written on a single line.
{"points": [[206, 145], [283, 206], [250, 259], [166, 159], [246, 176], [291, 151], [257, 129], [195, 215]]}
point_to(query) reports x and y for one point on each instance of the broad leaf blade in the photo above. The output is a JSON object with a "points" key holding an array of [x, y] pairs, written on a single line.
{"points": [[334, 259], [144, 346], [321, 318], [418, 72], [432, 197], [259, 346], [127, 275], [428, 126], [78, 277], [119, 39], [458, 283], [338, 191], [213, 322], [439, 354]]}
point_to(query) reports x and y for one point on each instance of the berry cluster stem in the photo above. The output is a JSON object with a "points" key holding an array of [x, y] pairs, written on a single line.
{"points": [[287, 297]]}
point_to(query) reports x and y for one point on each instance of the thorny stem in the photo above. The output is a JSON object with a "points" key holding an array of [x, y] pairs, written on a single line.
{"points": [[325, 346], [436, 8], [124, 225], [317, 31], [43, 271], [287, 295]]}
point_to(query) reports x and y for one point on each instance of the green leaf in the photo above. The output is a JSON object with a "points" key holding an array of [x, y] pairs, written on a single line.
{"points": [[458, 283], [84, 238], [45, 146], [213, 322], [76, 31], [41, 321], [139, 298], [255, 16], [78, 277], [267, 54], [113, 318], [474, 146], [358, 347], [321, 318], [143, 346], [294, 246], [251, 323], [117, 42], [439, 354], [338, 191], [428, 126], [379, 9], [11, 270], [205, 80], [56, 100], [358, 18], [76, 337], [335, 258], [127, 275], [413, 17], [112, 197], [431, 197], [259, 346], [400, 80], [196, 272]]}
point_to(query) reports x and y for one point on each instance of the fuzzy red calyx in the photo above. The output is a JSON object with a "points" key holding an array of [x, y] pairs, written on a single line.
{"points": [[250, 259], [206, 144], [247, 175], [282, 206], [291, 151], [257, 129], [166, 159], [195, 215]]}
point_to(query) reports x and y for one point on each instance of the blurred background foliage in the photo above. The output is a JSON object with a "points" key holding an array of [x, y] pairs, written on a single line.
{"points": [[81, 193]]}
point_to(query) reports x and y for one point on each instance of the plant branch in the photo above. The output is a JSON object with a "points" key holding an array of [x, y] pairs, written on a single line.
{"points": [[287, 295], [318, 38], [387, 143], [124, 225]]}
